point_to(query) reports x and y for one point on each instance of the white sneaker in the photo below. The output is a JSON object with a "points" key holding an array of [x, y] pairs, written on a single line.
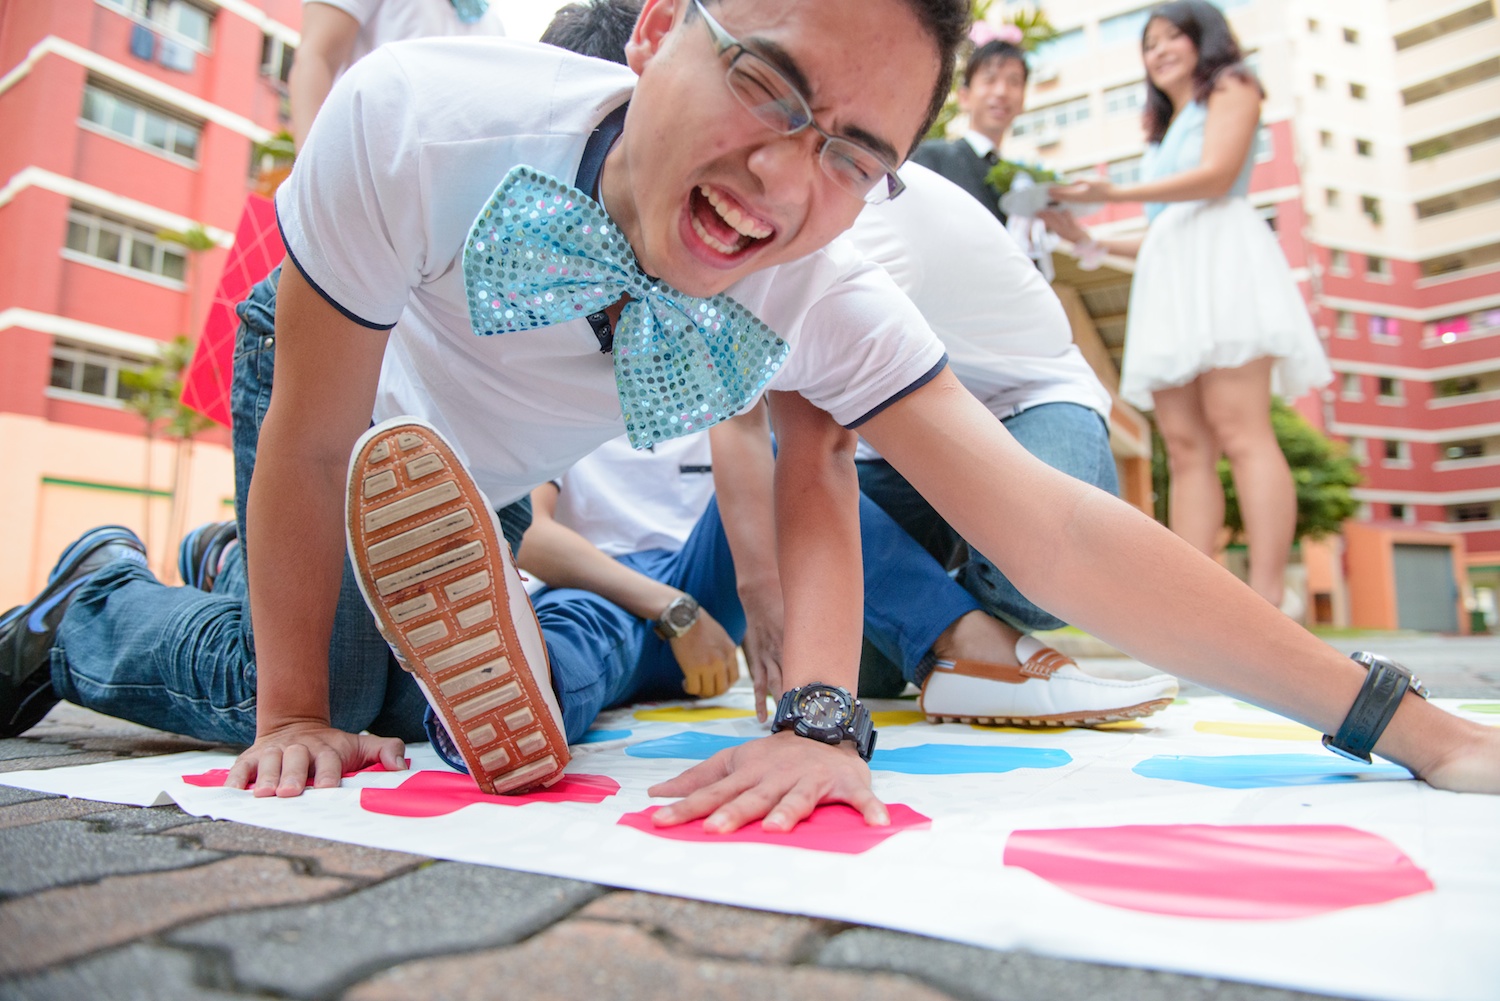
{"points": [[435, 570], [1050, 689]]}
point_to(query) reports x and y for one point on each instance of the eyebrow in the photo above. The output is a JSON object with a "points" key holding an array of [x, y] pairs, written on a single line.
{"points": [[783, 61]]}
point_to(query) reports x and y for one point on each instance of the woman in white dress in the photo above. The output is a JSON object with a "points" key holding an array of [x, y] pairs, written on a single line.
{"points": [[1216, 323]]}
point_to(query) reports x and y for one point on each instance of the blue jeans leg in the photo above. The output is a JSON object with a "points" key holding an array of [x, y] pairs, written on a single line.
{"points": [[184, 661], [1066, 436]]}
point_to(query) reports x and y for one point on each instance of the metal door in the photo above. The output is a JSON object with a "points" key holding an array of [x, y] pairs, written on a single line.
{"points": [[1426, 593]]}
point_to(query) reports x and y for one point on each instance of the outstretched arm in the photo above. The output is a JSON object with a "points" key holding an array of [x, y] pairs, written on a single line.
{"points": [[783, 777], [563, 558], [744, 482], [296, 519], [1106, 567]]}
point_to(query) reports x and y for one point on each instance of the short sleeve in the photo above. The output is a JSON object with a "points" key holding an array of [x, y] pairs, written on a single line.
{"points": [[351, 213]]}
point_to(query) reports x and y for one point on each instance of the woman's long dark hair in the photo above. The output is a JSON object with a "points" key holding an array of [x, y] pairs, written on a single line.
{"points": [[1218, 53]]}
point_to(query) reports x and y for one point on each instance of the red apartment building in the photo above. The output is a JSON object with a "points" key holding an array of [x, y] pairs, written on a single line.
{"points": [[124, 119]]}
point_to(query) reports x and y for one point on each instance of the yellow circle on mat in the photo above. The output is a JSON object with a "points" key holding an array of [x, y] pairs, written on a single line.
{"points": [[1262, 731], [691, 714], [898, 717]]}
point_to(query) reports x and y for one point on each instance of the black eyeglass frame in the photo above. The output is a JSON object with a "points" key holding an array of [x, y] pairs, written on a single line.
{"points": [[724, 42]]}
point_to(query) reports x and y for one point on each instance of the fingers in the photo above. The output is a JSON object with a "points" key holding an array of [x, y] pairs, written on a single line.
{"points": [[328, 769], [296, 763], [241, 772], [392, 754], [268, 772], [865, 801], [701, 774]]}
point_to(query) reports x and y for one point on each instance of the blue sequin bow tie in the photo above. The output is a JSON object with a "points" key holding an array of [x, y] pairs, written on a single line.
{"points": [[542, 252]]}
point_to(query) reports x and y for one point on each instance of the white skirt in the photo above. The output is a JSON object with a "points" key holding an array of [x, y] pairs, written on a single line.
{"points": [[1213, 290]]}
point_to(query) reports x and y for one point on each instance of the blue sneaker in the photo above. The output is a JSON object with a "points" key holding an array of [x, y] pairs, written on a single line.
{"points": [[201, 555], [28, 632]]}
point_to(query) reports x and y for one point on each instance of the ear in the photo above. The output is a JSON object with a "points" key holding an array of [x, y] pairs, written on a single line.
{"points": [[652, 26]]}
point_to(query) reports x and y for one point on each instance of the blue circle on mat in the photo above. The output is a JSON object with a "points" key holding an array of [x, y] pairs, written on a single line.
{"points": [[1264, 771], [924, 759], [600, 736]]}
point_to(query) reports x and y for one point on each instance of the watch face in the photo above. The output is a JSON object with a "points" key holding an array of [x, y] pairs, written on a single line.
{"points": [[824, 708]]}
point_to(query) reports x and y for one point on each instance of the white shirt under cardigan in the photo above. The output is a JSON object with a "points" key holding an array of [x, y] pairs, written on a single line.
{"points": [[382, 21], [408, 148], [627, 501], [1007, 335]]}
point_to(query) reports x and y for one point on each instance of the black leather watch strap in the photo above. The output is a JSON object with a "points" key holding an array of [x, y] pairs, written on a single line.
{"points": [[1385, 685]]}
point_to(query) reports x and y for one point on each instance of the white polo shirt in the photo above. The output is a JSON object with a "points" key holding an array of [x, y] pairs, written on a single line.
{"points": [[409, 147], [382, 21]]}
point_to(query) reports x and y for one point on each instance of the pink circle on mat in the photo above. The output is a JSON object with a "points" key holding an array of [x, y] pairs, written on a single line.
{"points": [[216, 777], [832, 827], [432, 794], [1209, 871]]}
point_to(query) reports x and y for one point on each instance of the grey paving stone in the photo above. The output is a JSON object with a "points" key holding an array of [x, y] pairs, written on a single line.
{"points": [[20, 747], [311, 951], [985, 975], [141, 820], [43, 856], [10, 794], [135, 973]]}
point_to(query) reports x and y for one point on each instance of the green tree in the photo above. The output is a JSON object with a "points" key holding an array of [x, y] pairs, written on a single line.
{"points": [[155, 393], [1322, 470]]}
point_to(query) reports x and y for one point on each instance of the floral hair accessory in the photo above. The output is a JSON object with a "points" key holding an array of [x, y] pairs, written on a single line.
{"points": [[983, 33]]}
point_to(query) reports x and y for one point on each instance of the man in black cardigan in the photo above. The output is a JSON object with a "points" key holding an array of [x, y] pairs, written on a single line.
{"points": [[992, 94]]}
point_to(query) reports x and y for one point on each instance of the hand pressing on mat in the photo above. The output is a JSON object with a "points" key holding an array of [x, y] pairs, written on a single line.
{"points": [[286, 760], [779, 779]]}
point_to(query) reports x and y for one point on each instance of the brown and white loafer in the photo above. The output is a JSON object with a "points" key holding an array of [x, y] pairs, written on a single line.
{"points": [[437, 573], [1050, 689]]}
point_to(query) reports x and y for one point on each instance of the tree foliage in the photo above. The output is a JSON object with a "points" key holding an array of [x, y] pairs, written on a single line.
{"points": [[156, 392], [1322, 471]]}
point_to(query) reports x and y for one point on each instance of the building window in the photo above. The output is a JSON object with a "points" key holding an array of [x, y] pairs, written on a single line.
{"points": [[1325, 139], [1312, 26], [114, 241], [1338, 262], [1043, 124], [1364, 147], [1123, 100], [177, 18], [1331, 197], [1469, 512], [1398, 512], [1264, 148], [1123, 27], [1463, 450], [1357, 91], [77, 368], [1377, 269], [1127, 171], [1359, 448], [276, 58], [140, 125], [1464, 385], [1388, 389], [1370, 206], [1320, 81], [1384, 330], [1343, 322], [1397, 453], [1351, 37], [1352, 386]]}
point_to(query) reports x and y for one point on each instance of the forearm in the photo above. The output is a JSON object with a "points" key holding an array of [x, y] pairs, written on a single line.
{"points": [[744, 477], [1188, 186], [563, 558], [817, 534], [307, 88]]}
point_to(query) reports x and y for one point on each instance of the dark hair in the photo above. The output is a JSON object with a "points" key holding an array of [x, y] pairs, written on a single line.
{"points": [[947, 24], [997, 51], [1218, 54], [598, 28]]}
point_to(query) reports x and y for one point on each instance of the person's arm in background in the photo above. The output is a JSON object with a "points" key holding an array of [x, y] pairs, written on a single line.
{"points": [[783, 777], [744, 482], [328, 35], [563, 558], [1069, 228]]}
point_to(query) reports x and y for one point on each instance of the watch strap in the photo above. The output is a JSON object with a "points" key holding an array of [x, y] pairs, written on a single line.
{"points": [[1385, 685], [860, 729]]}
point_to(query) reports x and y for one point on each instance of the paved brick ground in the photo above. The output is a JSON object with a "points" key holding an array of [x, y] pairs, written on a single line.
{"points": [[103, 902]]}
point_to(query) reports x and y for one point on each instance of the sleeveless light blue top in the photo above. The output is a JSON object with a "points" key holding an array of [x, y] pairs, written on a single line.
{"points": [[1182, 149]]}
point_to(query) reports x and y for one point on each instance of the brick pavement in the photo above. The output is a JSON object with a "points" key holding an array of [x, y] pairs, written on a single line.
{"points": [[100, 901]]}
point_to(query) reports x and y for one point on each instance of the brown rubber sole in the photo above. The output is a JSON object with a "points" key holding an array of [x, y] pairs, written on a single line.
{"points": [[446, 596], [1061, 719]]}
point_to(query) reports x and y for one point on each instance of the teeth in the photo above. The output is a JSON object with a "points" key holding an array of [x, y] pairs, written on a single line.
{"points": [[711, 240], [740, 222]]}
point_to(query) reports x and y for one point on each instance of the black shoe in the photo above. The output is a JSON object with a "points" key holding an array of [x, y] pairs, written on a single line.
{"points": [[202, 552], [27, 633]]}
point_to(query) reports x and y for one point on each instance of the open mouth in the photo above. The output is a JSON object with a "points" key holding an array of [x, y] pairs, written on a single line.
{"points": [[722, 225]]}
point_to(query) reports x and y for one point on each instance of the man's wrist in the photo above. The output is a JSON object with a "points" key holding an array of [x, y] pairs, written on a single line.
{"points": [[680, 615]]}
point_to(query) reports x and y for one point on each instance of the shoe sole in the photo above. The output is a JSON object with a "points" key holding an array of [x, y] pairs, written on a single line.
{"points": [[1060, 719], [444, 590]]}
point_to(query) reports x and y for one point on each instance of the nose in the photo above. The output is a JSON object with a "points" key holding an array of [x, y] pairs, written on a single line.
{"points": [[787, 166]]}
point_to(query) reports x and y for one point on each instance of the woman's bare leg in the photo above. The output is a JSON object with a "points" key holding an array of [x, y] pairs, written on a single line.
{"points": [[1197, 496]]}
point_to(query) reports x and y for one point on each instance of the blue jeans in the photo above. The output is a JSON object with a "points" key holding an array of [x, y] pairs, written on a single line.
{"points": [[178, 659], [1067, 437], [603, 656]]}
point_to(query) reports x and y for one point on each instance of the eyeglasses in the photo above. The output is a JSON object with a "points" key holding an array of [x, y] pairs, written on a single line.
{"points": [[777, 104]]}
